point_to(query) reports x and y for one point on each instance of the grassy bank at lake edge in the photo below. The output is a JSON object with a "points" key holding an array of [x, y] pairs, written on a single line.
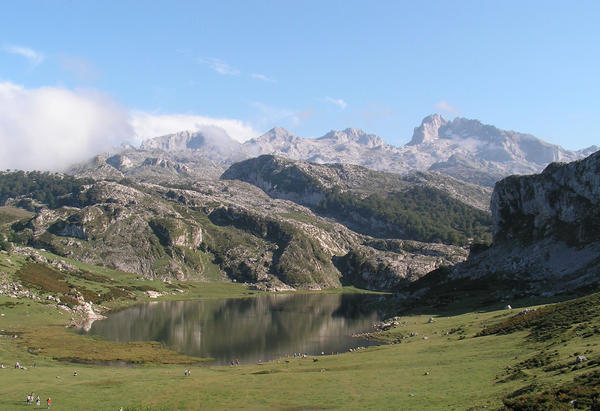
{"points": [[437, 365]]}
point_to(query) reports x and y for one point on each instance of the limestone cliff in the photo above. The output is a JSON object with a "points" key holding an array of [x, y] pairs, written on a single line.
{"points": [[546, 237], [563, 203]]}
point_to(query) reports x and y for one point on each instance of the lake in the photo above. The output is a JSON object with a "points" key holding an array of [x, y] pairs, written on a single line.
{"points": [[254, 329]]}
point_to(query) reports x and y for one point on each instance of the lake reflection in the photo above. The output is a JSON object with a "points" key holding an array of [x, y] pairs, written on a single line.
{"points": [[250, 329]]}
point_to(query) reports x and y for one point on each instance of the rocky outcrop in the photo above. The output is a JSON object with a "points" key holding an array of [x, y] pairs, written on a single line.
{"points": [[393, 264], [306, 183], [546, 239], [562, 203], [210, 142], [151, 165], [378, 204], [217, 229]]}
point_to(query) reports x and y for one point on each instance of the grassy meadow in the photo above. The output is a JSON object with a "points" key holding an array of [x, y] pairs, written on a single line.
{"points": [[460, 361]]}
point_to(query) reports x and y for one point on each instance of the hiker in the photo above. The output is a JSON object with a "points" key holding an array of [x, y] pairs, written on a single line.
{"points": [[37, 401], [48, 401]]}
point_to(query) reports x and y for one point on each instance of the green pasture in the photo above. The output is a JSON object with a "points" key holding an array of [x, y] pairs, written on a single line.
{"points": [[473, 360]]}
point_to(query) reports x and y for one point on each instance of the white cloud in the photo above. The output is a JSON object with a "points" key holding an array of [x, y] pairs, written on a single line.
{"points": [[337, 101], [33, 56], [50, 128], [220, 66], [147, 125], [446, 107], [262, 77]]}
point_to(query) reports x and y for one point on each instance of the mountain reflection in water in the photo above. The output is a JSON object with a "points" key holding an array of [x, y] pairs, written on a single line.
{"points": [[249, 329]]}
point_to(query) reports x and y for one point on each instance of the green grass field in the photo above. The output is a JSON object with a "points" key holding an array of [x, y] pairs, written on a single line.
{"points": [[459, 361]]}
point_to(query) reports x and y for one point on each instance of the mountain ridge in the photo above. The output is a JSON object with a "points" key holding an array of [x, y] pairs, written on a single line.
{"points": [[466, 149]]}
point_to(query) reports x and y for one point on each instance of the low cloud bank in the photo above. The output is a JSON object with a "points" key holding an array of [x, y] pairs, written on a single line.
{"points": [[148, 125], [52, 128]]}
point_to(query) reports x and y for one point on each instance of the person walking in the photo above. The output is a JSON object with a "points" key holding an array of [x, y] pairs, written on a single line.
{"points": [[48, 401], [37, 401]]}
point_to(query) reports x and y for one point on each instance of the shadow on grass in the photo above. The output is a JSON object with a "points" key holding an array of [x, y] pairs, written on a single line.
{"points": [[436, 294]]}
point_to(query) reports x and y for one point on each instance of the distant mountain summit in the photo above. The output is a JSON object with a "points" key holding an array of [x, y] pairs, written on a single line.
{"points": [[488, 143], [480, 153], [462, 148], [349, 146], [209, 142], [466, 149]]}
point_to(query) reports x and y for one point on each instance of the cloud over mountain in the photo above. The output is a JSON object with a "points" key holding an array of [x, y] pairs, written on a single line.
{"points": [[148, 125], [49, 128]]}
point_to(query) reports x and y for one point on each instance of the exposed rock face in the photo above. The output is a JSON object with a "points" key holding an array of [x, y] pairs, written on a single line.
{"points": [[391, 264], [547, 231], [210, 142], [120, 162], [428, 131], [563, 203], [121, 227], [306, 183], [213, 230]]}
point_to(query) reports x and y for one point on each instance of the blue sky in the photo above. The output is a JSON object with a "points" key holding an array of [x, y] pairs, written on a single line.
{"points": [[310, 66]]}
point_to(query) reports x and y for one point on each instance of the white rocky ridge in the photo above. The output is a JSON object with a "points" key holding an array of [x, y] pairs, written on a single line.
{"points": [[462, 148]]}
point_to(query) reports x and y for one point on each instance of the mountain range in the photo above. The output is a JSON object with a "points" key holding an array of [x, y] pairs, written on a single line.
{"points": [[199, 205], [465, 149]]}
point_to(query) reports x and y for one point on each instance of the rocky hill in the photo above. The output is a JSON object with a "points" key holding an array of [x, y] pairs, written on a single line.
{"points": [[214, 230], [560, 203], [210, 143], [546, 236], [149, 165], [422, 206]]}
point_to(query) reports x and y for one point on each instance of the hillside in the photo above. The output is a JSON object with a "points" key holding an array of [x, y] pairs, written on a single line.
{"points": [[533, 357], [423, 206], [213, 231], [545, 240]]}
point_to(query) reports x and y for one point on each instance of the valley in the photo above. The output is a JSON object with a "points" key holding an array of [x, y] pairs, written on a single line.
{"points": [[482, 318], [435, 359]]}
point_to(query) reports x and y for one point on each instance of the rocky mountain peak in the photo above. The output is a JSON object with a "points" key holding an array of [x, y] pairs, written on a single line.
{"points": [[207, 138], [209, 142], [354, 135], [428, 130], [120, 162], [276, 134]]}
